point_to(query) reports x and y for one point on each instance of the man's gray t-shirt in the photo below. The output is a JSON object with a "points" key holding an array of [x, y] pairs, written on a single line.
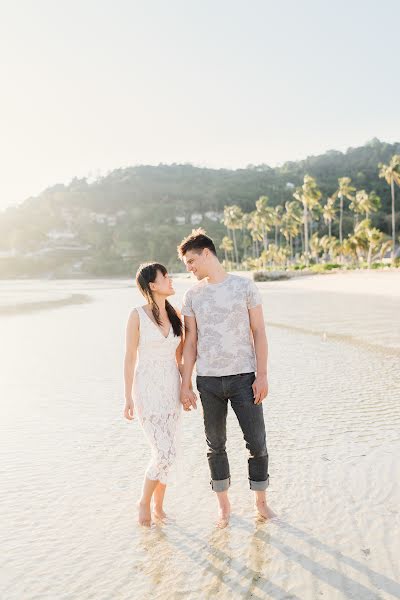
{"points": [[225, 343]]}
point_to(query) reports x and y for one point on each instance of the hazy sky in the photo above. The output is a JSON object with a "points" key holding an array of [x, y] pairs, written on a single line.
{"points": [[91, 85]]}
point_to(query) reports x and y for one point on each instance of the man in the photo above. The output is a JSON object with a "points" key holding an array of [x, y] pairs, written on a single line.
{"points": [[225, 334]]}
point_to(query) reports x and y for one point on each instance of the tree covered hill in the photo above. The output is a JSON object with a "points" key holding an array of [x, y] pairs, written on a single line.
{"points": [[108, 226]]}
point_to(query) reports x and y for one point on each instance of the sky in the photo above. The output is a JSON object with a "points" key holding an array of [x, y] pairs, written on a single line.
{"points": [[92, 85]]}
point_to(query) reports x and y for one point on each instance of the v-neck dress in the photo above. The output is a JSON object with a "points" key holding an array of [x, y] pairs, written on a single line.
{"points": [[156, 388]]}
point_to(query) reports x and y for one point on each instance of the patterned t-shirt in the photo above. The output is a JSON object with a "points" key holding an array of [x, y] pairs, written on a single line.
{"points": [[224, 339]]}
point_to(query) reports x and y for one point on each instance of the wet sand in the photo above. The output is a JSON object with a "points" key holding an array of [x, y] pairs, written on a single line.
{"points": [[72, 467]]}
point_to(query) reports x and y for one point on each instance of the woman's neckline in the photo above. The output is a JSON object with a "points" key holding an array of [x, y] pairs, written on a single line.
{"points": [[155, 324]]}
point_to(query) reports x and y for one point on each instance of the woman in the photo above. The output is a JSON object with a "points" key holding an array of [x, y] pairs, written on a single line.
{"points": [[153, 360]]}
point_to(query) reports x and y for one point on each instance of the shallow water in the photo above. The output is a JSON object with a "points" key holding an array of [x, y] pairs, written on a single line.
{"points": [[72, 467]]}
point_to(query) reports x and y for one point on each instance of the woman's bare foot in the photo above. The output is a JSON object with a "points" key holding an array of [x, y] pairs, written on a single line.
{"points": [[264, 511], [161, 517], [159, 513], [144, 514]]}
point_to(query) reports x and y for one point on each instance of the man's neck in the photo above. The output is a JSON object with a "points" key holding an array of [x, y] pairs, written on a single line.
{"points": [[217, 275]]}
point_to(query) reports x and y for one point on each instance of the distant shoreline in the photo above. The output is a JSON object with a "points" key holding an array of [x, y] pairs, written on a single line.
{"points": [[294, 279], [30, 307], [382, 282], [290, 274]]}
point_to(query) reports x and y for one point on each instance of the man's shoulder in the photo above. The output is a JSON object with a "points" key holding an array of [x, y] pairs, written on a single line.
{"points": [[240, 281], [199, 286], [195, 289]]}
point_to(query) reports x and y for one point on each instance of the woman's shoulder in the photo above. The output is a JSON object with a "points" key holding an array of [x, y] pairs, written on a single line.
{"points": [[134, 315], [133, 324]]}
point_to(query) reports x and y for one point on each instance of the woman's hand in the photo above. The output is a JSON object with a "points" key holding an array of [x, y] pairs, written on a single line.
{"points": [[188, 398], [129, 410]]}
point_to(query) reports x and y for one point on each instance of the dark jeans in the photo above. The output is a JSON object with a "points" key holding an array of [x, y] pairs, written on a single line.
{"points": [[215, 393]]}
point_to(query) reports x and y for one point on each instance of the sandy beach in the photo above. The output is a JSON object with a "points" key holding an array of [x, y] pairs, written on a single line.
{"points": [[72, 467], [375, 283]]}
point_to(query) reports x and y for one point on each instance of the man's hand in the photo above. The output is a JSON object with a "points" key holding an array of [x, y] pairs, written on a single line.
{"points": [[129, 410], [188, 398], [260, 388]]}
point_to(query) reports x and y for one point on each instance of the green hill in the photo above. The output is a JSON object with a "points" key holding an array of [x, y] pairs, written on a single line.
{"points": [[107, 227]]}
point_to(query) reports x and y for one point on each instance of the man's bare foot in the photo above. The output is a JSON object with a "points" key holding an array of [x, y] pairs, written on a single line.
{"points": [[224, 514], [223, 520], [224, 510], [144, 514], [264, 511]]}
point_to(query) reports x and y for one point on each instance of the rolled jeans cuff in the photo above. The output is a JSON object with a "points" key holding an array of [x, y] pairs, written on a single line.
{"points": [[259, 486], [220, 485]]}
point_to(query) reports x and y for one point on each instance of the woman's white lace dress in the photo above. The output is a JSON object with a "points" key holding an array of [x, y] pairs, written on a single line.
{"points": [[156, 388]]}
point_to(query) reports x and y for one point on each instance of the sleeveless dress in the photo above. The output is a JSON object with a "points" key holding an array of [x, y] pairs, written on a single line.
{"points": [[156, 389]]}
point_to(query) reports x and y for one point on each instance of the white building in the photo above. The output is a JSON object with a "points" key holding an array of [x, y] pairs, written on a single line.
{"points": [[196, 218]]}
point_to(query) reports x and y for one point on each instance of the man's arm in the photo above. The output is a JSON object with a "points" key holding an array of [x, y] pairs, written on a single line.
{"points": [[189, 359], [257, 326]]}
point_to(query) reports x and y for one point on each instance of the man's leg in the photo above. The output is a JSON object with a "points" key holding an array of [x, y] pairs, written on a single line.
{"points": [[215, 407], [251, 421]]}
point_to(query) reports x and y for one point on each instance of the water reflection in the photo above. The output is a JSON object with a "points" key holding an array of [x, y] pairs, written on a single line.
{"points": [[333, 433]]}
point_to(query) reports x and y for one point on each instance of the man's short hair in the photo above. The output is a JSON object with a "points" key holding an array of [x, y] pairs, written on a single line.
{"points": [[196, 241]]}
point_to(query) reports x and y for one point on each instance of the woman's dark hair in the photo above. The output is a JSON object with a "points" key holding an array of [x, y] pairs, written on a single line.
{"points": [[147, 274]]}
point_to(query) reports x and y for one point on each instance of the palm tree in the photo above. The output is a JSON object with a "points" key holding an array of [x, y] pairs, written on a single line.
{"points": [[254, 227], [351, 247], [370, 239], [375, 239], [326, 244], [334, 247], [345, 190], [227, 246], [275, 255], [315, 246], [391, 173], [355, 206], [233, 220], [266, 218], [309, 196], [290, 223], [315, 212], [329, 213], [364, 203], [278, 213], [245, 238]]}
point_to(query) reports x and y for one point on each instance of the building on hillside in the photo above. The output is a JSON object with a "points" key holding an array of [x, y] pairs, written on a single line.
{"points": [[196, 218]]}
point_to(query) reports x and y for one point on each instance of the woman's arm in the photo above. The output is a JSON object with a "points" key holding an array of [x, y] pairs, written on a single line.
{"points": [[132, 340], [180, 363], [189, 359], [179, 360], [179, 350]]}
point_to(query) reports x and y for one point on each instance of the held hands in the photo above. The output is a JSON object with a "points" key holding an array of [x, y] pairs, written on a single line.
{"points": [[260, 388], [129, 410], [188, 399]]}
